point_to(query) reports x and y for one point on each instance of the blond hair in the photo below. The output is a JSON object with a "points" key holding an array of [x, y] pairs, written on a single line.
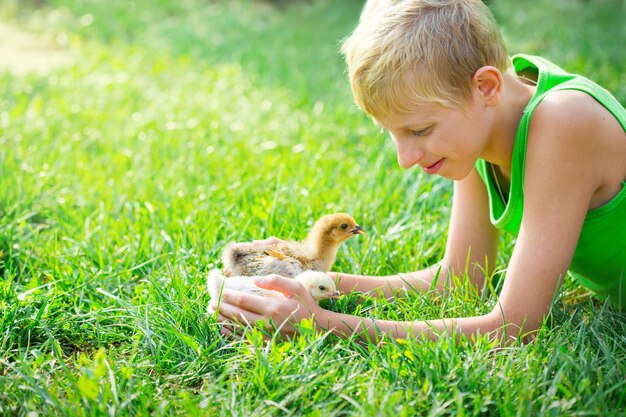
{"points": [[411, 52]]}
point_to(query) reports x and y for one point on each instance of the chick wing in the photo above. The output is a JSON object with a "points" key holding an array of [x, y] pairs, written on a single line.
{"points": [[282, 259]]}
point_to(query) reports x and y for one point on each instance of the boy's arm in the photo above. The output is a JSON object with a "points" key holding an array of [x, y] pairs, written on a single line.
{"points": [[345, 325], [561, 176], [471, 246]]}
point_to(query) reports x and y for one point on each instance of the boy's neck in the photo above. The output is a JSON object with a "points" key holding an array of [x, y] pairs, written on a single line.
{"points": [[515, 96]]}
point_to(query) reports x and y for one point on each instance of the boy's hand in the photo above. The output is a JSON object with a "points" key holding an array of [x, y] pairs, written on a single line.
{"points": [[250, 309]]}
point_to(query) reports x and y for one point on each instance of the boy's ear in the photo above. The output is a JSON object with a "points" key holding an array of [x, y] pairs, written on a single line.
{"points": [[489, 82]]}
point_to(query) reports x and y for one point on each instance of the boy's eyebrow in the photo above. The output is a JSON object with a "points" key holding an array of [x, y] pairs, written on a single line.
{"points": [[408, 126], [422, 125]]}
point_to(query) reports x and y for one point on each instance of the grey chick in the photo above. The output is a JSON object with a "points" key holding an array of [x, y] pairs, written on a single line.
{"points": [[317, 252]]}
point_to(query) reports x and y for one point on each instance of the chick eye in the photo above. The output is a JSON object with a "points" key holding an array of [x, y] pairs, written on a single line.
{"points": [[322, 288], [344, 226]]}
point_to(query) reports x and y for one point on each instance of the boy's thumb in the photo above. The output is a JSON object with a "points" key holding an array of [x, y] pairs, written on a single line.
{"points": [[286, 286]]}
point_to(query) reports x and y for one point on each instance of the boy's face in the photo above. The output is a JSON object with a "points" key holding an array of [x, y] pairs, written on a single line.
{"points": [[444, 141]]}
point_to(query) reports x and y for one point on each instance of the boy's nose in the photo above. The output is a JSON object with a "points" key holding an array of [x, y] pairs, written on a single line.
{"points": [[409, 153]]}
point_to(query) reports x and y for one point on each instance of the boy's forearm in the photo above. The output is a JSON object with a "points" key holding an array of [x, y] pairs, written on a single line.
{"points": [[345, 325], [389, 286]]}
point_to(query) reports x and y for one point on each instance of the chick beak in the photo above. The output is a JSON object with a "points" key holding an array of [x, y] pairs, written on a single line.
{"points": [[358, 230], [336, 294]]}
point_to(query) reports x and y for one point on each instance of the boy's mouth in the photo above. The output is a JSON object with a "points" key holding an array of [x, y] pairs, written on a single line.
{"points": [[434, 168]]}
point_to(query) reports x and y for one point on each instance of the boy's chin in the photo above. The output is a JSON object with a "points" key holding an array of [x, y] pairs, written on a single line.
{"points": [[456, 175]]}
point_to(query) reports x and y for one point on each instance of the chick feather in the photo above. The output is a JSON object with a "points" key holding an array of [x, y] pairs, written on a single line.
{"points": [[317, 252], [318, 284]]}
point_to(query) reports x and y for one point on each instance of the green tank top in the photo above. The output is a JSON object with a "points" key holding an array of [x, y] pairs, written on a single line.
{"points": [[599, 262]]}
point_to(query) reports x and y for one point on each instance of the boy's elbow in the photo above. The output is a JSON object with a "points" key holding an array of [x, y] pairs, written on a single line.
{"points": [[511, 326]]}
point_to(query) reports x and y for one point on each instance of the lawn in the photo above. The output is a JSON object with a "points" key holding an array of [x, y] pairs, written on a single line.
{"points": [[173, 127]]}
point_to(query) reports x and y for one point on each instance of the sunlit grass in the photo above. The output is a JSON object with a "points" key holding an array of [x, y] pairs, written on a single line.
{"points": [[184, 125]]}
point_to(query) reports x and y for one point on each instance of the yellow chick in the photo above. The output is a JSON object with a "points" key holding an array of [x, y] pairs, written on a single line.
{"points": [[318, 284], [317, 252]]}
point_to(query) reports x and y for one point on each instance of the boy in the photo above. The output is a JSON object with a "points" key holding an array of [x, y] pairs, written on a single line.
{"points": [[532, 150]]}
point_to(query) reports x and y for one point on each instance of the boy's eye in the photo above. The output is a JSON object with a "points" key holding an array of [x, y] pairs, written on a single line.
{"points": [[422, 132]]}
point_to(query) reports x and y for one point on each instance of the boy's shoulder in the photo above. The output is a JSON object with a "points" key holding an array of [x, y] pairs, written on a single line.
{"points": [[565, 125], [567, 114], [575, 142], [559, 165]]}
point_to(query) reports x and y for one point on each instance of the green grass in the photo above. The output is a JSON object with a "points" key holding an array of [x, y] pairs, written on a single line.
{"points": [[183, 125]]}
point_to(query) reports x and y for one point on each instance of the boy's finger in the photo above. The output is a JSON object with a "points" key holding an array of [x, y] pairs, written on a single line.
{"points": [[223, 321], [287, 286], [238, 300], [231, 333], [240, 307]]}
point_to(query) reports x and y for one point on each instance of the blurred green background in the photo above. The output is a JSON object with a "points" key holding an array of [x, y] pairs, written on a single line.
{"points": [[138, 137]]}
